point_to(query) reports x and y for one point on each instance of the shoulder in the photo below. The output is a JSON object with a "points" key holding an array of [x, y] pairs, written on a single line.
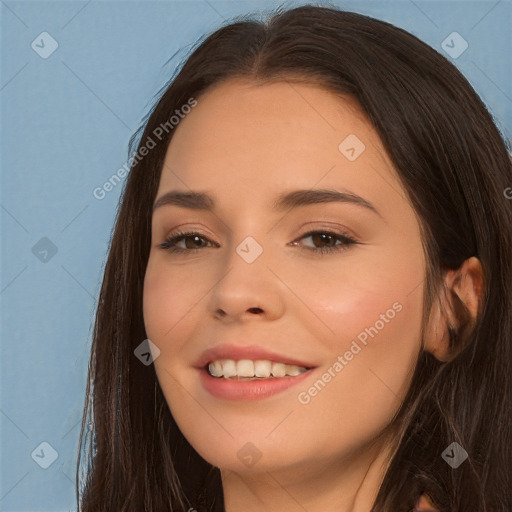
{"points": [[425, 505]]}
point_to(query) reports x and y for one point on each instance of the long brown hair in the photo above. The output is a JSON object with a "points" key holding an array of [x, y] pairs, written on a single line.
{"points": [[455, 168]]}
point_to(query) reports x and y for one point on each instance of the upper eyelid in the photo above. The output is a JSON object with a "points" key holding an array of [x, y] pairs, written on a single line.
{"points": [[324, 225], [187, 232]]}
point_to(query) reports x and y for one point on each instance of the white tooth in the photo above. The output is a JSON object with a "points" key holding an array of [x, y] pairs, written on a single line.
{"points": [[245, 368], [215, 368], [262, 368], [228, 368], [278, 369], [292, 369]]}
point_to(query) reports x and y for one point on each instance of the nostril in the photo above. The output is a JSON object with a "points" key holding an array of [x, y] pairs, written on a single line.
{"points": [[256, 310]]}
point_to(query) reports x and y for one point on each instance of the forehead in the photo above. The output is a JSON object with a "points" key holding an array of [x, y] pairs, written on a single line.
{"points": [[254, 138]]}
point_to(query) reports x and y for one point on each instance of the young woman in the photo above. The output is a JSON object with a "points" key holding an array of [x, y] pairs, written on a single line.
{"points": [[307, 302]]}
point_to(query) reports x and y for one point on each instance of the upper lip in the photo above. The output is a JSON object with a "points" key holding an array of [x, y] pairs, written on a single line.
{"points": [[252, 352]]}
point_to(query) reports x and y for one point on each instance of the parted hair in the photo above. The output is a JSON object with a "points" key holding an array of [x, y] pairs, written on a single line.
{"points": [[454, 165]]}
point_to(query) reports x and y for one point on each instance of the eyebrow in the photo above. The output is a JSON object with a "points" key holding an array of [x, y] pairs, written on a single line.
{"points": [[287, 200]]}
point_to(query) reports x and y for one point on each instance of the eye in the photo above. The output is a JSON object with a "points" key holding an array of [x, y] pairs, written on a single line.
{"points": [[192, 241], [328, 241]]}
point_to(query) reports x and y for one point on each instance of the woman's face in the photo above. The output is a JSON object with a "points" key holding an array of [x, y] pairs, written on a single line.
{"points": [[253, 284]]}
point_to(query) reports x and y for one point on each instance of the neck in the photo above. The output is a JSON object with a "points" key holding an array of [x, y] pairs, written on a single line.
{"points": [[349, 484]]}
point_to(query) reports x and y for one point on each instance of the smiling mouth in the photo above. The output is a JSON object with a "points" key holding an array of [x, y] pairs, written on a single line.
{"points": [[247, 369]]}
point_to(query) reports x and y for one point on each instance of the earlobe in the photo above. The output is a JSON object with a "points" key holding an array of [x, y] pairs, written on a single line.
{"points": [[437, 335], [454, 313]]}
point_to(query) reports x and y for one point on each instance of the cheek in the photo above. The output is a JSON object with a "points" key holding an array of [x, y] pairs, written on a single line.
{"points": [[173, 309], [364, 311], [169, 311], [360, 293], [373, 356], [169, 297], [371, 324]]}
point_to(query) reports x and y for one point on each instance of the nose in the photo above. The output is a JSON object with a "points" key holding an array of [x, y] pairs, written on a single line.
{"points": [[246, 290], [221, 313]]}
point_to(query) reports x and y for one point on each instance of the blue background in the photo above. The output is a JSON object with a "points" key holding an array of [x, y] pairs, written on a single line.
{"points": [[65, 125]]}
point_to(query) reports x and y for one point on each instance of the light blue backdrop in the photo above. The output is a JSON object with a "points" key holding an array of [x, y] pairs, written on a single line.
{"points": [[66, 118]]}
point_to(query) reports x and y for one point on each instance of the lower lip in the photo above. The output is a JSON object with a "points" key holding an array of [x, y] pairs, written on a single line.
{"points": [[232, 389]]}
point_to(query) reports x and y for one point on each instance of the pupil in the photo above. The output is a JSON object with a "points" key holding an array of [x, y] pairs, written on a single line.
{"points": [[195, 239], [324, 238]]}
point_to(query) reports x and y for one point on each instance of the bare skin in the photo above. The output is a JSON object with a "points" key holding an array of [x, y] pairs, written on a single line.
{"points": [[244, 145]]}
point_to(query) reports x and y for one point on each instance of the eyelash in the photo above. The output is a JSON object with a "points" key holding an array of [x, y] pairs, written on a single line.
{"points": [[170, 242]]}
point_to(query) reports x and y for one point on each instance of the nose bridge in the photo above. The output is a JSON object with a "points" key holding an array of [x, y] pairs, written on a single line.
{"points": [[246, 239], [245, 262], [249, 249], [245, 285]]}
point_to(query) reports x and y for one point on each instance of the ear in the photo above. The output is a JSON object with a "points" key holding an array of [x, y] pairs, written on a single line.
{"points": [[455, 310]]}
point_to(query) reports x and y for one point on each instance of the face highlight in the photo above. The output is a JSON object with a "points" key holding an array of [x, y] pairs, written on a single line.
{"points": [[301, 243]]}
